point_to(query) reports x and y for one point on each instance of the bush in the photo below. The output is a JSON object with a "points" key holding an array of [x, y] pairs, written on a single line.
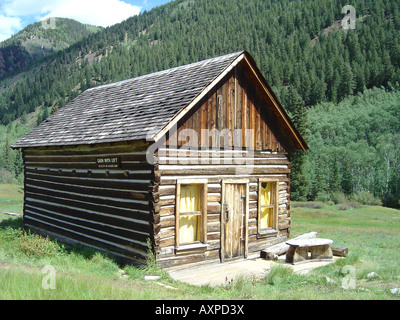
{"points": [[322, 197], [366, 198], [32, 245], [391, 201], [349, 205], [343, 206], [307, 204], [6, 177], [338, 197]]}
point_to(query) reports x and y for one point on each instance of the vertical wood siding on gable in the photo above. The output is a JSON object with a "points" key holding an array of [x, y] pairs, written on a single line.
{"points": [[233, 105]]}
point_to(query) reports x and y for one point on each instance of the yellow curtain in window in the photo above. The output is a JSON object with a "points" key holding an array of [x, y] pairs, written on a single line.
{"points": [[266, 214], [189, 226]]}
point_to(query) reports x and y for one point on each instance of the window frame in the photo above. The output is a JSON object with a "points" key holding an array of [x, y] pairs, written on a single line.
{"points": [[274, 206], [203, 212]]}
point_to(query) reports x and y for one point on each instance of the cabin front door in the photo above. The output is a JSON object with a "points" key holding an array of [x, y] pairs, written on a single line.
{"points": [[234, 219]]}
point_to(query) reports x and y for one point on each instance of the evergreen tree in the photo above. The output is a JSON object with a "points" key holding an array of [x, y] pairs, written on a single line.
{"points": [[299, 181], [347, 180], [6, 155]]}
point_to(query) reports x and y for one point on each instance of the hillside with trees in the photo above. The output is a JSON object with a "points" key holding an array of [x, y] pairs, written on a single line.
{"points": [[355, 148], [39, 40], [315, 67]]}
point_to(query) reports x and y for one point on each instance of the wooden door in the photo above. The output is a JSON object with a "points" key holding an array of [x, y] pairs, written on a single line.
{"points": [[234, 220]]}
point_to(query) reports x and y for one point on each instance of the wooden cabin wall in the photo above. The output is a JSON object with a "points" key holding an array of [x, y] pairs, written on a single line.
{"points": [[234, 104], [70, 194], [266, 164]]}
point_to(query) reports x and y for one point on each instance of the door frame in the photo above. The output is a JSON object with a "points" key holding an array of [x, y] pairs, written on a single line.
{"points": [[246, 218]]}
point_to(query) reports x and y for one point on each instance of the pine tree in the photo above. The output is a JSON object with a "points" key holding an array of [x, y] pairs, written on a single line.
{"points": [[7, 158], [347, 180], [299, 181]]}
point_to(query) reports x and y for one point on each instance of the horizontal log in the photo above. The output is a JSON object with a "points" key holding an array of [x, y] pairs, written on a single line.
{"points": [[256, 245], [167, 221], [182, 152], [211, 170], [212, 217], [89, 165], [91, 191], [167, 232], [92, 180], [167, 210], [171, 189], [213, 197], [109, 148], [167, 190], [217, 177], [166, 202], [223, 161], [339, 251], [141, 157], [167, 242], [213, 227]]}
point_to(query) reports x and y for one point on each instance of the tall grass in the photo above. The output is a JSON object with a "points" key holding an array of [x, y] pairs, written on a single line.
{"points": [[372, 235]]}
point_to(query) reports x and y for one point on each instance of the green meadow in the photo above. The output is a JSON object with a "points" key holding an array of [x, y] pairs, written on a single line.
{"points": [[371, 234]]}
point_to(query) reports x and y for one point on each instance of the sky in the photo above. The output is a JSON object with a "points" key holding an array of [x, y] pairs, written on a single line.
{"points": [[17, 14]]}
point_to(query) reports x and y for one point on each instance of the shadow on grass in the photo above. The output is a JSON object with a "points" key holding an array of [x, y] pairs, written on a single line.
{"points": [[14, 223], [77, 250]]}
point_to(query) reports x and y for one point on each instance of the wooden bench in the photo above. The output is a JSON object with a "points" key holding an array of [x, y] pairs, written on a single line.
{"points": [[298, 250]]}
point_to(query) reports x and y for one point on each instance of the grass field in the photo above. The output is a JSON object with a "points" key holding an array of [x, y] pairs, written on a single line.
{"points": [[11, 198], [372, 235]]}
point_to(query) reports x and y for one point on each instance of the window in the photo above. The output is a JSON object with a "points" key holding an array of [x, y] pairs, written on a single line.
{"points": [[267, 205], [191, 213]]}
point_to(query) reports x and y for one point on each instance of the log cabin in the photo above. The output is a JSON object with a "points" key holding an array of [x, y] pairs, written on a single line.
{"points": [[191, 164]]}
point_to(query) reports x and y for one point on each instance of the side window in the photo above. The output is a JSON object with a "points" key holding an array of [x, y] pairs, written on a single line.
{"points": [[267, 205], [191, 213]]}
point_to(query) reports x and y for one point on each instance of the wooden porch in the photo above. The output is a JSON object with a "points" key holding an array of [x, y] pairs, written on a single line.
{"points": [[217, 273]]}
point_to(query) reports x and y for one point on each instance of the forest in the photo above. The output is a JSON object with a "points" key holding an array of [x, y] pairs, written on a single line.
{"points": [[340, 86]]}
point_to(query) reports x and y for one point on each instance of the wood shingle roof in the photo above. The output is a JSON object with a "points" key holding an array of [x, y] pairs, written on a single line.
{"points": [[128, 110]]}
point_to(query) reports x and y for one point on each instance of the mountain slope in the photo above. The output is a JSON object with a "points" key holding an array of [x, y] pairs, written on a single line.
{"points": [[299, 46], [40, 40], [280, 35]]}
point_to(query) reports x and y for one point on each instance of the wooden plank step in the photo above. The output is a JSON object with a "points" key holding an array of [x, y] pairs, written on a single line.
{"points": [[340, 251]]}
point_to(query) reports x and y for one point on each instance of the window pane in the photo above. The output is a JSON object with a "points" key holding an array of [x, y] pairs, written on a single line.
{"points": [[190, 198], [266, 193], [266, 218], [266, 198], [189, 225]]}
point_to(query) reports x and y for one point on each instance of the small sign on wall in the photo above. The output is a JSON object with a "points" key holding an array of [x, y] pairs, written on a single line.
{"points": [[108, 162]]}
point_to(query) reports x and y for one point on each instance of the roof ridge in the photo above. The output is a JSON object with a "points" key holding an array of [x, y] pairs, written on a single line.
{"points": [[205, 61]]}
